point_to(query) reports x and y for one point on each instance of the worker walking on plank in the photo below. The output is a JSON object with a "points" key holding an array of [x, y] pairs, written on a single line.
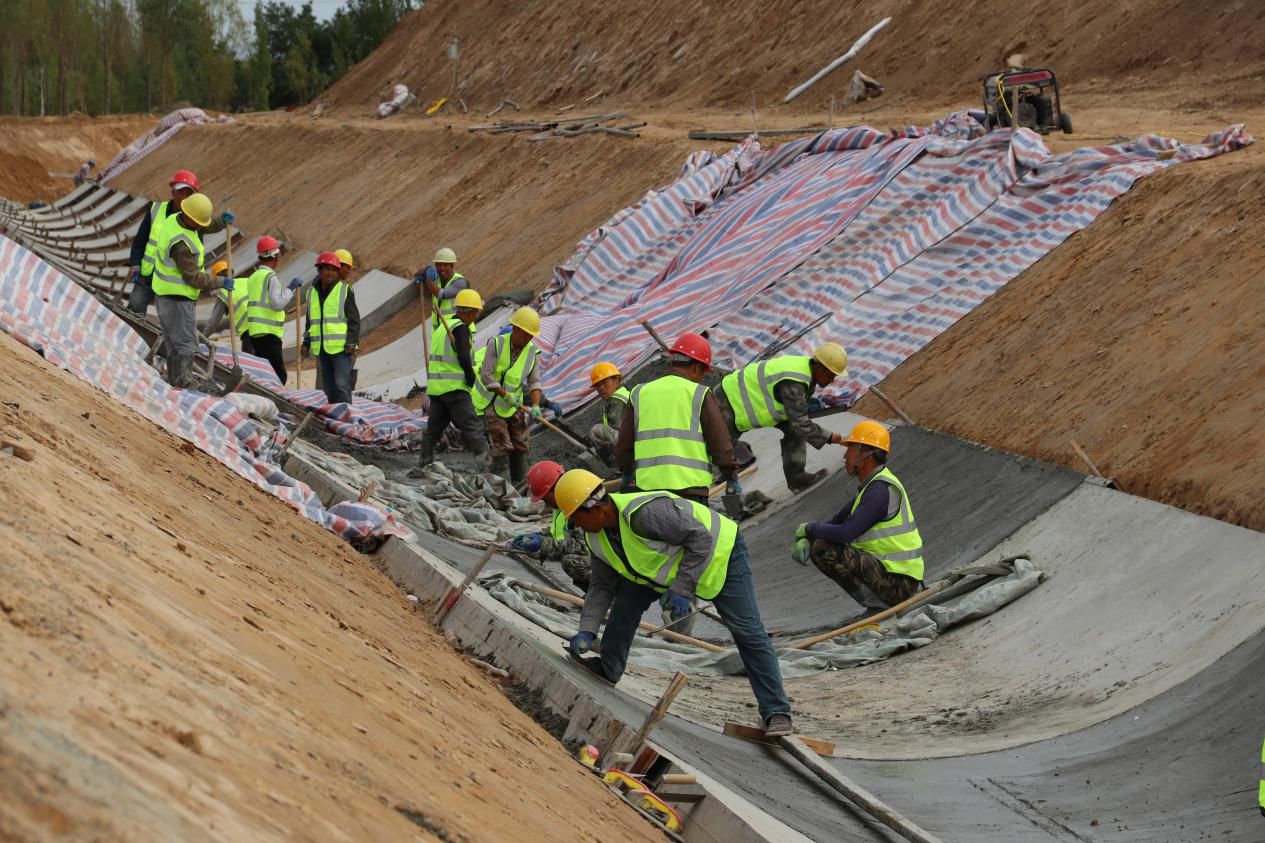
{"points": [[178, 280], [875, 542], [675, 431], [345, 264], [645, 544], [775, 393], [241, 304], [506, 369], [607, 382], [559, 542], [333, 329], [141, 264], [443, 283], [450, 378]]}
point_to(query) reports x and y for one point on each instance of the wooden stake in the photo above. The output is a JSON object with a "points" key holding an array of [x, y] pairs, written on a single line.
{"points": [[454, 592], [233, 339], [678, 683]]}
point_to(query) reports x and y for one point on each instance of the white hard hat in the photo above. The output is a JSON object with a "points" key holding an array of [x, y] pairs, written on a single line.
{"points": [[445, 255]]}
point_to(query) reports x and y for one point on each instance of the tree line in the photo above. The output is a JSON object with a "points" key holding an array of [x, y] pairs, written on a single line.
{"points": [[127, 56]]}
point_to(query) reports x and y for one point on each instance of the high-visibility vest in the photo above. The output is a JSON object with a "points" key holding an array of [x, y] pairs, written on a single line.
{"points": [[558, 526], [750, 390], [158, 211], [895, 542], [327, 325], [167, 280], [1260, 793], [446, 308], [262, 320], [510, 375], [241, 303], [443, 370], [621, 395], [669, 451], [655, 563]]}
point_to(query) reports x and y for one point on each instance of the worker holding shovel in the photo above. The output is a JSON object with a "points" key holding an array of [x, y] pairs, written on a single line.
{"points": [[507, 370]]}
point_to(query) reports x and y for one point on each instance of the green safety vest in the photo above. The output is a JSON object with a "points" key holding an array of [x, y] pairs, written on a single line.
{"points": [[510, 375], [558, 526], [669, 451], [749, 390], [621, 394], [262, 320], [167, 280], [327, 326], [895, 542], [655, 563], [241, 303], [445, 307], [158, 211], [443, 371], [1260, 793]]}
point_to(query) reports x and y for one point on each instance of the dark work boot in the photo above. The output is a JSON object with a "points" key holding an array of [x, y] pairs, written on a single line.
{"points": [[425, 457], [801, 481], [518, 467], [501, 467], [864, 598]]}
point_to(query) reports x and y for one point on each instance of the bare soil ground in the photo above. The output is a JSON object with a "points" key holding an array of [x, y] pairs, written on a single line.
{"points": [[33, 149], [187, 658]]}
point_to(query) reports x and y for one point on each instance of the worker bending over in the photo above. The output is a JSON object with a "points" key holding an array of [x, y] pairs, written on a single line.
{"points": [[875, 541], [144, 246], [178, 280], [607, 382], [333, 329], [450, 378], [442, 283], [647, 543], [675, 431], [506, 368], [562, 544]]}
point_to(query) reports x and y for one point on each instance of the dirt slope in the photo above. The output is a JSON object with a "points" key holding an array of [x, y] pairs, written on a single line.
{"points": [[186, 658], [667, 52], [33, 148]]}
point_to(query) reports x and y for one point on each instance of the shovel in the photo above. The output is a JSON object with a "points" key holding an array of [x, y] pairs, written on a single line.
{"points": [[732, 503], [586, 457]]}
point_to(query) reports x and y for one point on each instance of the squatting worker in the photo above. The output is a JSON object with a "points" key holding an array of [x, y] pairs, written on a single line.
{"points": [[775, 393], [674, 431], [450, 377], [647, 543], [562, 543], [442, 283], [608, 383], [178, 280], [507, 370], [333, 329], [875, 542], [141, 264]]}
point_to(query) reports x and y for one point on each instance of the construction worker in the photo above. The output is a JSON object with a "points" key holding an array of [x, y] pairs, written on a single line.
{"points": [[268, 298], [450, 378], [177, 282], [560, 543], [443, 283], [241, 304], [333, 329], [607, 382], [874, 542], [345, 263], [675, 432], [775, 393], [645, 544], [141, 263], [81, 175], [506, 369], [1260, 791]]}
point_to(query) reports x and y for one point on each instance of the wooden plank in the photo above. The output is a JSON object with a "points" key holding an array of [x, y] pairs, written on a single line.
{"points": [[826, 749], [680, 797], [739, 134], [679, 681], [454, 593]]}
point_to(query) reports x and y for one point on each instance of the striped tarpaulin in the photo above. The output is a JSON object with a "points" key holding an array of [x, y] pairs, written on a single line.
{"points": [[48, 312], [887, 239]]}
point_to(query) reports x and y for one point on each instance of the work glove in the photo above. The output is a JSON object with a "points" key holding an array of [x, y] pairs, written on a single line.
{"points": [[801, 547], [352, 348], [432, 274], [733, 487], [305, 349], [815, 404], [295, 283], [678, 605], [226, 283], [135, 277], [536, 412], [581, 643], [228, 217], [526, 543], [801, 532]]}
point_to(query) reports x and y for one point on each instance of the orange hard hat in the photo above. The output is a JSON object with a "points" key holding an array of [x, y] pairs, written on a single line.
{"points": [[328, 259], [541, 477], [870, 433], [601, 372], [695, 347]]}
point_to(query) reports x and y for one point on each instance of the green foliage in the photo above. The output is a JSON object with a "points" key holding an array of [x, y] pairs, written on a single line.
{"points": [[112, 56]]}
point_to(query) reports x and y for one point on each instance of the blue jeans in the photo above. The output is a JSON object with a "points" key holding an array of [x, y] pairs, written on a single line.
{"points": [[335, 376], [736, 605]]}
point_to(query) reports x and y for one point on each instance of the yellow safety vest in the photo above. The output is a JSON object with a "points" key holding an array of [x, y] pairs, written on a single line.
{"points": [[1260, 793], [895, 542], [622, 395], [443, 371], [654, 563], [262, 320], [669, 451], [167, 280], [749, 390], [327, 325], [241, 303], [445, 307], [158, 211], [511, 376]]}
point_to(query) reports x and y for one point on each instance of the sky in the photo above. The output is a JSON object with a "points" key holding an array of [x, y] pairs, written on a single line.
{"points": [[323, 9]]}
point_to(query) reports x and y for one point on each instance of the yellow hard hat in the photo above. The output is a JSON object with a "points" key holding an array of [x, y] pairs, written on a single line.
{"points": [[469, 298], [833, 357], [197, 208], [527, 319], [445, 255], [344, 256], [870, 433], [219, 268], [601, 372], [574, 488]]}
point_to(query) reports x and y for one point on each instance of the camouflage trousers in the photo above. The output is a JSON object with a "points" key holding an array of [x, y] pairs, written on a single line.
{"points": [[506, 436], [853, 568]]}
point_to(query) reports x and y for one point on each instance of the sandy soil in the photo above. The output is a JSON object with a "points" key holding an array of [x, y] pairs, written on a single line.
{"points": [[33, 150], [186, 658]]}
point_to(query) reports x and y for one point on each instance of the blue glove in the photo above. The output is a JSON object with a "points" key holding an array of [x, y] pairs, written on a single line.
{"points": [[527, 543], [432, 274], [295, 283], [228, 217], [801, 551], [227, 283], [581, 643], [418, 278], [815, 404], [678, 605], [536, 412], [733, 487]]}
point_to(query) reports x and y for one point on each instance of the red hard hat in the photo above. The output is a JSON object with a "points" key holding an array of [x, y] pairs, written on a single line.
{"points": [[267, 243], [541, 477], [185, 177], [328, 259], [696, 347]]}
